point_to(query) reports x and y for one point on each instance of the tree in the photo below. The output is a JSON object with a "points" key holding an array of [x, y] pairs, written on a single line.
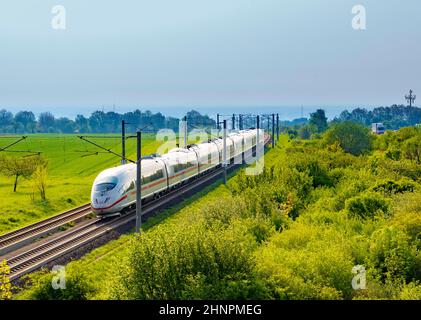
{"points": [[65, 125], [319, 120], [5, 285], [27, 119], [82, 124], [6, 118], [40, 179], [412, 149], [306, 131], [19, 167], [46, 121], [352, 137]]}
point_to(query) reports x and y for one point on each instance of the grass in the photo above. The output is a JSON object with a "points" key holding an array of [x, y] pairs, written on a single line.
{"points": [[100, 263], [72, 167]]}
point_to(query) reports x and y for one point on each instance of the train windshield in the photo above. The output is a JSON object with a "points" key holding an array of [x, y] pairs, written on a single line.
{"points": [[106, 185]]}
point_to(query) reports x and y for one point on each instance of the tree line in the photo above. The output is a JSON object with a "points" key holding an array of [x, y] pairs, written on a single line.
{"points": [[25, 122], [393, 117]]}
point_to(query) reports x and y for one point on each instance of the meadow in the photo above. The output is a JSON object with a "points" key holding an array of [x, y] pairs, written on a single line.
{"points": [[72, 166]]}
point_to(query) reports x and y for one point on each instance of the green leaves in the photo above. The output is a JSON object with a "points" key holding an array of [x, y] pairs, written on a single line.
{"points": [[352, 137], [5, 285]]}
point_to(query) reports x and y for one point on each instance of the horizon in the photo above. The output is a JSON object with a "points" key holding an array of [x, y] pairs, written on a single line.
{"points": [[286, 113]]}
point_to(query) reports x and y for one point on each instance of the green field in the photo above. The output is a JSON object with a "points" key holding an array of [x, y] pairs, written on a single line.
{"points": [[72, 167]]}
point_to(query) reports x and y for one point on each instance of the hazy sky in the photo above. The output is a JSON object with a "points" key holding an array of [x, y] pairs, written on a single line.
{"points": [[203, 53]]}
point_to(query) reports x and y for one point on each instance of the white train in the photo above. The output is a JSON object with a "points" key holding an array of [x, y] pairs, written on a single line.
{"points": [[114, 190]]}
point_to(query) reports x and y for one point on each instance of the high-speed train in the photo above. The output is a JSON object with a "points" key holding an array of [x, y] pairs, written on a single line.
{"points": [[114, 189]]}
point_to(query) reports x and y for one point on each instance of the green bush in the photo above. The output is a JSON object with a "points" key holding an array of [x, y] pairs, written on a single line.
{"points": [[392, 256], [352, 137], [78, 287], [392, 187], [191, 261], [367, 206]]}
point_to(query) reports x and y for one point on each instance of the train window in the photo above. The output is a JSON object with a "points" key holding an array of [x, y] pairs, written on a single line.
{"points": [[131, 187], [153, 177], [106, 184], [178, 167], [104, 187]]}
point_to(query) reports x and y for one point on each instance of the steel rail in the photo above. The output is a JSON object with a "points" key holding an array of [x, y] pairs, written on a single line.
{"points": [[18, 238]]}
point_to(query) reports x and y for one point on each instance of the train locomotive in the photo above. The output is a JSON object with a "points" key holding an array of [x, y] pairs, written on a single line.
{"points": [[114, 190]]}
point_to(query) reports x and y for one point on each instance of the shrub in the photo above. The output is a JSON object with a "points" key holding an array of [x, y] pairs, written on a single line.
{"points": [[392, 187], [191, 261], [412, 149], [392, 256], [78, 287], [367, 206], [352, 137], [316, 170], [5, 285], [306, 262]]}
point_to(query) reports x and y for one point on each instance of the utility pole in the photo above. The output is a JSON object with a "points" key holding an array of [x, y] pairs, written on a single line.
{"points": [[224, 152], [123, 142], [268, 125], [273, 130], [277, 127], [138, 183], [410, 98], [184, 129], [258, 133], [233, 122]]}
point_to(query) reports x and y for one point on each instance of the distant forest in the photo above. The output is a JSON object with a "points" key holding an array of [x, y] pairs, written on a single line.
{"points": [[23, 122], [394, 117]]}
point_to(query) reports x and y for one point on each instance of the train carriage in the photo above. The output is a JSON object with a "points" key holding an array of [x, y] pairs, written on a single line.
{"points": [[182, 165], [114, 190], [238, 142], [230, 148], [207, 155]]}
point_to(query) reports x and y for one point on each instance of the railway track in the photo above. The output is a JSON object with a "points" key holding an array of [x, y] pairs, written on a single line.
{"points": [[19, 238], [39, 255]]}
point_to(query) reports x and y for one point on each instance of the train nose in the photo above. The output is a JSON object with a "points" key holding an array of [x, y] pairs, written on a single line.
{"points": [[101, 201]]}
